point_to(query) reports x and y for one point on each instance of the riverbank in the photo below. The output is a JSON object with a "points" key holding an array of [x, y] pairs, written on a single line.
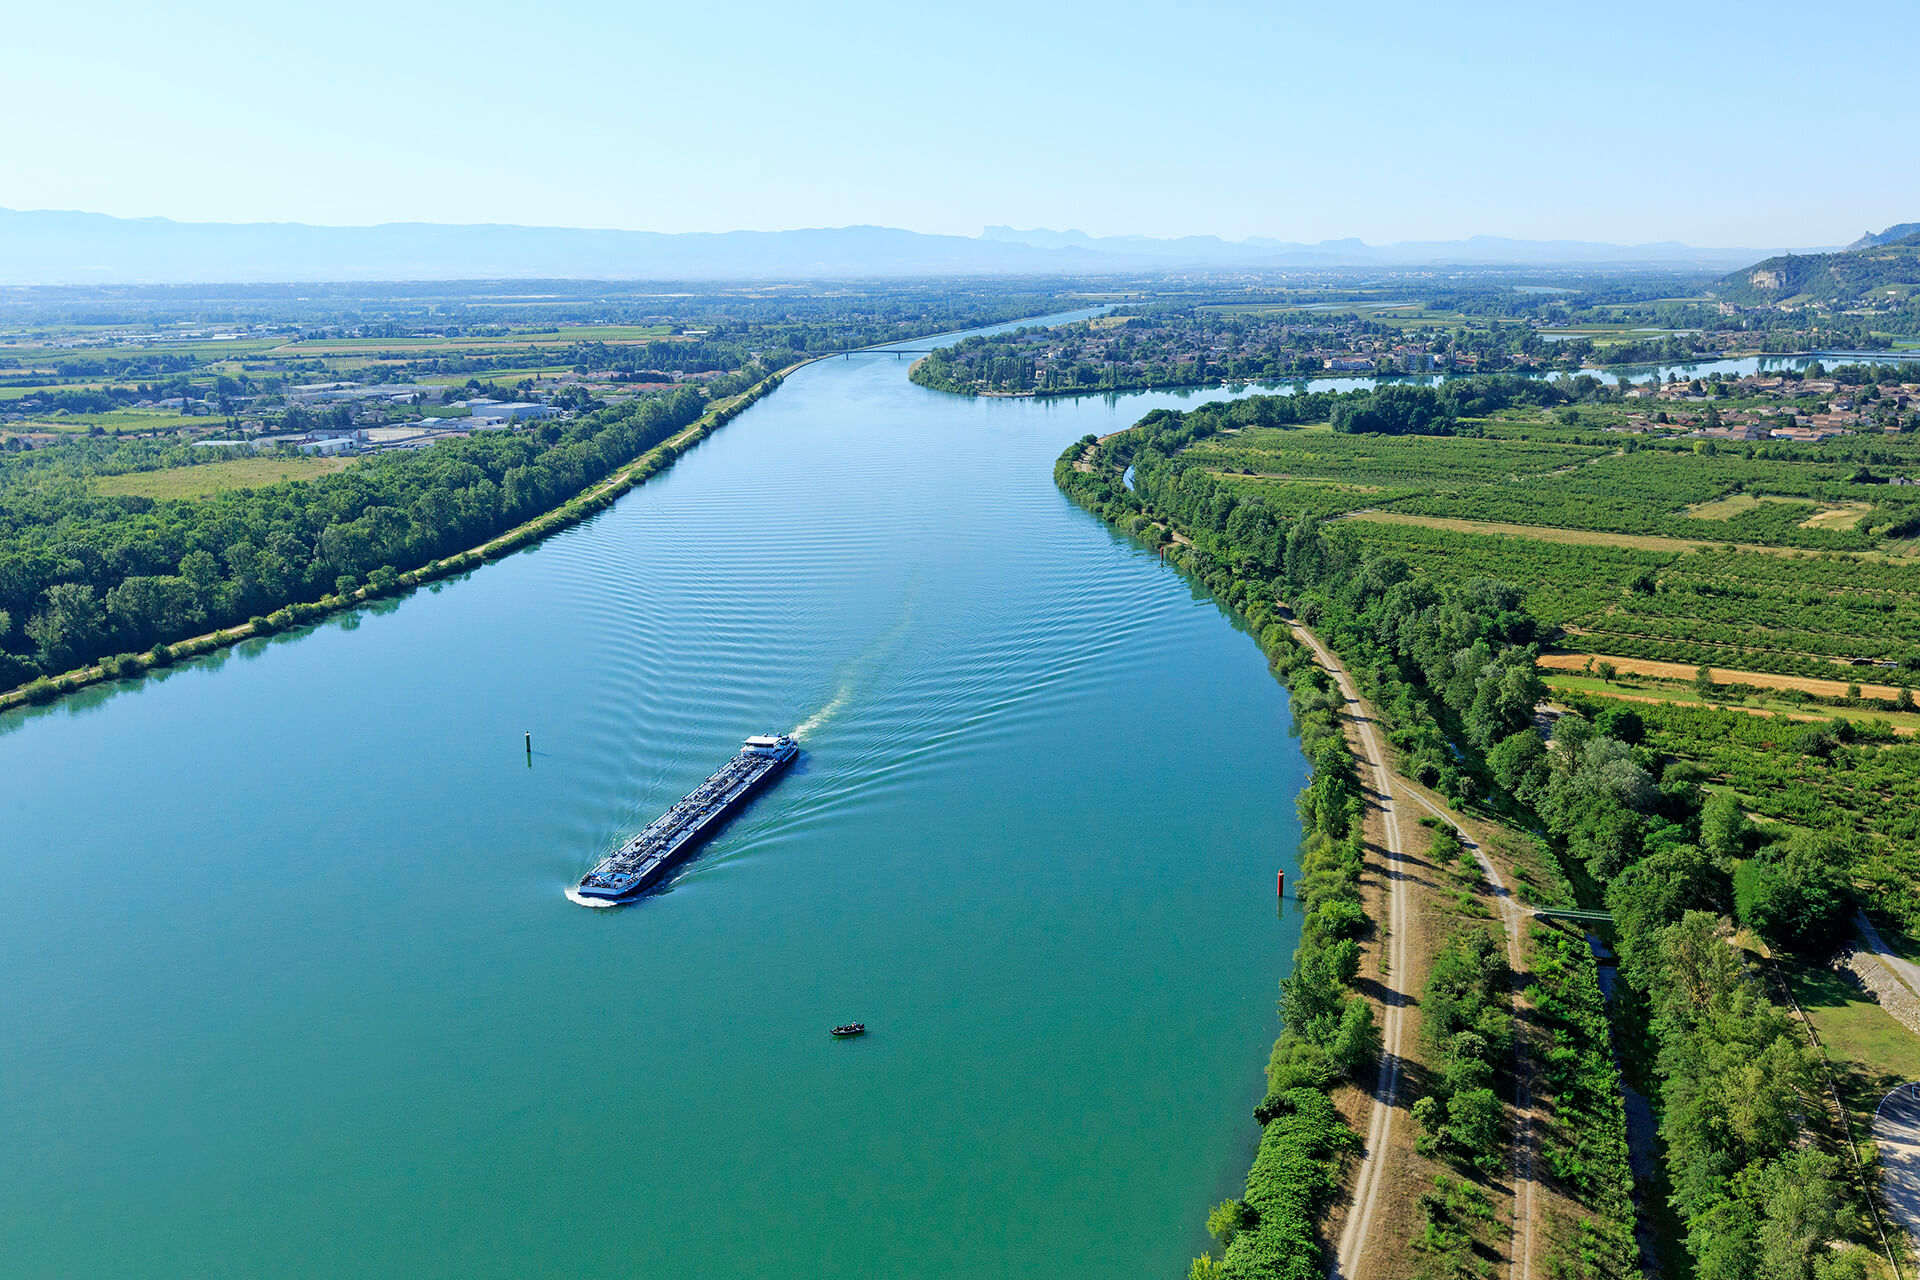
{"points": [[589, 501], [1700, 364], [1558, 1192], [1470, 729], [346, 815]]}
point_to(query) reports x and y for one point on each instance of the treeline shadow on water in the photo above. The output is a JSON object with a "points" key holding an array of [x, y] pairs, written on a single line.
{"points": [[92, 697]]}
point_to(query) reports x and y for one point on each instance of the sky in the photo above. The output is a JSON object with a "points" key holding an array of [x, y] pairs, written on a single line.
{"points": [[1716, 124]]}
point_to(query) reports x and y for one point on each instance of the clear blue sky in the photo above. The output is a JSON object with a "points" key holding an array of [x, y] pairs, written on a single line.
{"points": [[1751, 124]]}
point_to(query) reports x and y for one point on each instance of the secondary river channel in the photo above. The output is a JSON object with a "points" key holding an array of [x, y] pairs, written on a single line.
{"points": [[291, 989]]}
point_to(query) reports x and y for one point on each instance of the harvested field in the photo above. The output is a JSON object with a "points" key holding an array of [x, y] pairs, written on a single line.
{"points": [[1592, 538], [1904, 725], [1728, 507], [1842, 515], [1541, 533], [1722, 675]]}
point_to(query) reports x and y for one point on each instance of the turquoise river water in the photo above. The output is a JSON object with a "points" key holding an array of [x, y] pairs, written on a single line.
{"points": [[291, 989]]}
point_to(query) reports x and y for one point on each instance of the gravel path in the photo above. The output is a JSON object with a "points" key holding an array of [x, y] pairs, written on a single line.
{"points": [[1366, 1187]]}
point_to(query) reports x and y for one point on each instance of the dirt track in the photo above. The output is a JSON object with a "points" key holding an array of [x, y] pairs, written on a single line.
{"points": [[1358, 1229], [1516, 918], [1366, 1192], [1724, 675]]}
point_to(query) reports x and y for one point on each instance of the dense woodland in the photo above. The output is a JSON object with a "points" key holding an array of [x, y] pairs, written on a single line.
{"points": [[1452, 670], [1848, 278], [85, 575]]}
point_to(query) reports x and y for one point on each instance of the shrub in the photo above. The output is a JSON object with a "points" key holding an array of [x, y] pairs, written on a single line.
{"points": [[1296, 1063], [1356, 1042], [1341, 918], [1228, 1219], [40, 690], [1290, 1180]]}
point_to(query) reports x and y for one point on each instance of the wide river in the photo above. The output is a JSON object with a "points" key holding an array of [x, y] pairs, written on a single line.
{"points": [[289, 986]]}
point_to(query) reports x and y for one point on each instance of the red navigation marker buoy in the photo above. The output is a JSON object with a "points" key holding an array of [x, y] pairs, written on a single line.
{"points": [[1280, 886]]}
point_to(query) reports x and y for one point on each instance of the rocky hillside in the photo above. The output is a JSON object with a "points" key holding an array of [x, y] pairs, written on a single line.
{"points": [[1841, 279], [1899, 231]]}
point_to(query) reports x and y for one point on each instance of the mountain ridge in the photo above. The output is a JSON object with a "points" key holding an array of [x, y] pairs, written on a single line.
{"points": [[51, 247], [1873, 239], [1484, 249], [1833, 279]]}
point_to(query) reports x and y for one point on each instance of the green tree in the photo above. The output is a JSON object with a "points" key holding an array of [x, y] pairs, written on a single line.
{"points": [[1356, 1041], [1723, 829], [68, 626], [1313, 996], [1622, 724], [1473, 1125], [1205, 1268], [1228, 1219], [1798, 896], [1799, 1199], [1519, 761]]}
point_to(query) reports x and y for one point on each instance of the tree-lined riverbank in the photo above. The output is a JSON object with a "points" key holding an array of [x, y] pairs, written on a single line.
{"points": [[971, 858], [386, 579]]}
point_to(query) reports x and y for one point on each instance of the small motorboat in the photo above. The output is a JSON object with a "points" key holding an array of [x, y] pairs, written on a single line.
{"points": [[851, 1029]]}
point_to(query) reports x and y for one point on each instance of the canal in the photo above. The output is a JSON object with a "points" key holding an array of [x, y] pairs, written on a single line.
{"points": [[291, 989]]}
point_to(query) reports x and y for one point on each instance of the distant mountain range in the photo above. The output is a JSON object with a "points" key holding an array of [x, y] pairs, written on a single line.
{"points": [[1475, 251], [1899, 231], [1871, 265], [39, 248]]}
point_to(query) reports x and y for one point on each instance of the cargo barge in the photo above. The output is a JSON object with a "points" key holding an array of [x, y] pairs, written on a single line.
{"points": [[644, 861]]}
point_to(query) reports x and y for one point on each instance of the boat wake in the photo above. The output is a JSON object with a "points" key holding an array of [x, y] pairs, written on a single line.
{"points": [[575, 896], [863, 665], [818, 719]]}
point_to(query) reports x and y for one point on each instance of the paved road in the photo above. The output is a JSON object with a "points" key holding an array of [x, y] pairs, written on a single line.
{"points": [[1905, 970], [1896, 1132]]}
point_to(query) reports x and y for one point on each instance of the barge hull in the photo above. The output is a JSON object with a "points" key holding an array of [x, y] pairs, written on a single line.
{"points": [[644, 861]]}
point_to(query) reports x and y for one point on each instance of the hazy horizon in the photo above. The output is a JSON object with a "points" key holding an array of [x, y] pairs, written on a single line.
{"points": [[1017, 233], [77, 248]]}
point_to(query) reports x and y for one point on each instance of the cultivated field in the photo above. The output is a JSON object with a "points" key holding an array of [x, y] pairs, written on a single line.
{"points": [[215, 477]]}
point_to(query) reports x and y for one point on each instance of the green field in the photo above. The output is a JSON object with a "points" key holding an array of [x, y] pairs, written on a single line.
{"points": [[435, 344], [215, 477], [497, 375], [1767, 559], [128, 420], [1868, 1051], [1634, 688]]}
